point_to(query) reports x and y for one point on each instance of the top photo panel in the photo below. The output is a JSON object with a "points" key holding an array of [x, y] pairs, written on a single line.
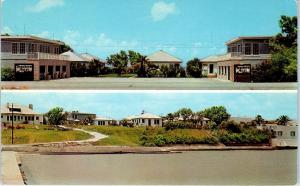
{"points": [[149, 44]]}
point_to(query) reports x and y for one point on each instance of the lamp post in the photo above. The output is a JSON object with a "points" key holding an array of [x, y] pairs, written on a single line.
{"points": [[12, 123]]}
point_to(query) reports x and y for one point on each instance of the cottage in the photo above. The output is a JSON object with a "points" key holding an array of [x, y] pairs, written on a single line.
{"points": [[243, 53], [99, 120], [34, 58], [145, 119], [161, 57], [76, 116], [20, 114]]}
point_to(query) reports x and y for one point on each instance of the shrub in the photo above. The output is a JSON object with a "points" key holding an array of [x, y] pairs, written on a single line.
{"points": [[7, 74], [179, 125]]}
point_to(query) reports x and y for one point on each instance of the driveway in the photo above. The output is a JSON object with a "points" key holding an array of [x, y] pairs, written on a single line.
{"points": [[90, 83]]}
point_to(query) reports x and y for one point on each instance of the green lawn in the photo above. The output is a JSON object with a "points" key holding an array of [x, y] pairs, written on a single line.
{"points": [[125, 136], [117, 76], [117, 135], [31, 134]]}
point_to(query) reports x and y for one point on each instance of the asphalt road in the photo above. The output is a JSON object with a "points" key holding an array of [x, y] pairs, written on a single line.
{"points": [[89, 83]]}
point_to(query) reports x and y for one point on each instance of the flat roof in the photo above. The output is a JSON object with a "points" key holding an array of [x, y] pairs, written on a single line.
{"points": [[247, 37], [30, 37]]}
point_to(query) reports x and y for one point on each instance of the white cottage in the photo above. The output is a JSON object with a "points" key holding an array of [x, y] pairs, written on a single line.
{"points": [[99, 120], [145, 119]]}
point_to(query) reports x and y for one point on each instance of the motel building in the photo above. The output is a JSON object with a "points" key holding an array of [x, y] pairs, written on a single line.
{"points": [[34, 58], [284, 135], [76, 116], [243, 54], [161, 58], [20, 114], [145, 119], [99, 120]]}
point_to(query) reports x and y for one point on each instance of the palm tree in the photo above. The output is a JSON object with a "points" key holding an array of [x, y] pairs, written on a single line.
{"points": [[137, 58], [283, 120]]}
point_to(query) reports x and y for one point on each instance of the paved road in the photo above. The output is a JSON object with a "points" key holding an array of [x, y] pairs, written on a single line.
{"points": [[89, 83]]}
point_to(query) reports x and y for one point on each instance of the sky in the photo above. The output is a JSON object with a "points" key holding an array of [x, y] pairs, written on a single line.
{"points": [[122, 104], [186, 29]]}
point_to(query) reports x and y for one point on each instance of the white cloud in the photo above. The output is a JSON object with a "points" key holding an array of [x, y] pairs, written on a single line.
{"points": [[71, 37], [6, 30], [105, 43], [44, 34], [160, 10], [42, 5]]}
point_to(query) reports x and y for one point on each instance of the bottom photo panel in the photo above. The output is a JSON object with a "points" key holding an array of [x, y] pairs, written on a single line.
{"points": [[149, 137]]}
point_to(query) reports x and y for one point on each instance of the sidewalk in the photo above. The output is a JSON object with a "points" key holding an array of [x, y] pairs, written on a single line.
{"points": [[11, 174]]}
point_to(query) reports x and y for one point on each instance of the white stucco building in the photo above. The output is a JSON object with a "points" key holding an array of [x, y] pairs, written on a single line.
{"points": [[145, 119], [99, 120], [20, 114], [161, 57]]}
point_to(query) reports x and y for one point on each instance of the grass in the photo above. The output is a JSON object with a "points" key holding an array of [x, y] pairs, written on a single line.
{"points": [[125, 136], [117, 76], [31, 134], [121, 136]]}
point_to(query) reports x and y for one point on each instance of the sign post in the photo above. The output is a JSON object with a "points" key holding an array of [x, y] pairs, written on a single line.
{"points": [[12, 123]]}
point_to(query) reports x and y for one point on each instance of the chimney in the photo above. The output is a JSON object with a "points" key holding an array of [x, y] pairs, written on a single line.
{"points": [[30, 106]]}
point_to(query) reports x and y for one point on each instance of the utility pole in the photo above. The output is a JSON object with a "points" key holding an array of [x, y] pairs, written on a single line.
{"points": [[12, 123]]}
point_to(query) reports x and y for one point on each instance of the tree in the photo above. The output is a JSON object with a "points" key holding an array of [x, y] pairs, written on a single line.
{"points": [[217, 114], [288, 35], [119, 61], [137, 58], [184, 113], [283, 120], [194, 68], [259, 120], [95, 68], [66, 48], [56, 116]]}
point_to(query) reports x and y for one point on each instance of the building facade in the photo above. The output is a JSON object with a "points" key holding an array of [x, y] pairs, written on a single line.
{"points": [[76, 116], [20, 114], [145, 119], [243, 54], [104, 121], [34, 58], [161, 58]]}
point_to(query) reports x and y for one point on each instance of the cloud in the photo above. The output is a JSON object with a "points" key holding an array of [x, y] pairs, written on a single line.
{"points": [[6, 30], [105, 43], [160, 10], [71, 37], [42, 5], [44, 34]]}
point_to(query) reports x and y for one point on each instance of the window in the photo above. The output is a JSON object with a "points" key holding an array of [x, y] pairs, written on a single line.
{"points": [[143, 121], [22, 48], [279, 133], [19, 117], [64, 68], [15, 118], [239, 48], [31, 47], [248, 49], [37, 118], [255, 48], [56, 50], [25, 118], [57, 68], [14, 48], [7, 118], [293, 133]]}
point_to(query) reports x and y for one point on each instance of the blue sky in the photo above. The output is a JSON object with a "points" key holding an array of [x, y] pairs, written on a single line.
{"points": [[119, 105], [187, 29]]}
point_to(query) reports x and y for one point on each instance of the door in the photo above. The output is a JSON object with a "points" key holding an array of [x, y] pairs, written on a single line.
{"points": [[149, 122], [211, 68], [228, 72], [24, 72]]}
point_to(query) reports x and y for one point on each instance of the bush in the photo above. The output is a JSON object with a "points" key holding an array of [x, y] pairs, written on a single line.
{"points": [[179, 125], [231, 126], [7, 74]]}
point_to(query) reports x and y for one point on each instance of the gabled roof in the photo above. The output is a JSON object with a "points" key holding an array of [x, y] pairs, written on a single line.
{"points": [[247, 37], [162, 56], [90, 57], [74, 56], [216, 58], [24, 109], [32, 38]]}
